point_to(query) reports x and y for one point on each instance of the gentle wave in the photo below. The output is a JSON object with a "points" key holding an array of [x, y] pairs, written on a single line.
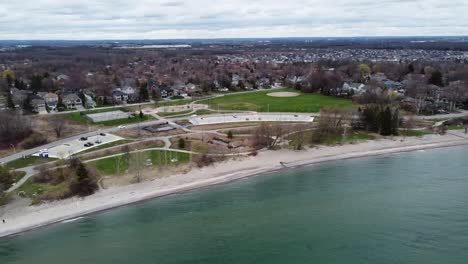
{"points": [[72, 220]]}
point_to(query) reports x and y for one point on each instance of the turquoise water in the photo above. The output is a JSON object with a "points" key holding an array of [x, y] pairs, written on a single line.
{"points": [[405, 208]]}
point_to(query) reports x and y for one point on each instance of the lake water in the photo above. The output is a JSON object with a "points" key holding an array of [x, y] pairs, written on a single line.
{"points": [[403, 208]]}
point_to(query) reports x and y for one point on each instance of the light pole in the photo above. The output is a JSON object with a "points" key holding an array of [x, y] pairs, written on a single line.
{"points": [[14, 148]]}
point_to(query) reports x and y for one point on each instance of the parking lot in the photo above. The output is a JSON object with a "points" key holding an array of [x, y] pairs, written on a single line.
{"points": [[78, 145], [251, 117]]}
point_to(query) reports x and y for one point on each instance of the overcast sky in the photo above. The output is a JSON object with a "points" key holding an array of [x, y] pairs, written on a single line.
{"points": [[163, 19]]}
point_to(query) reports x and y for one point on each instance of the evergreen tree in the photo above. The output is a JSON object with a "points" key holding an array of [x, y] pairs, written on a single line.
{"points": [[36, 83], [395, 122], [84, 184], [27, 104], [436, 78], [144, 95], [181, 143], [17, 83], [60, 105], [386, 122]]}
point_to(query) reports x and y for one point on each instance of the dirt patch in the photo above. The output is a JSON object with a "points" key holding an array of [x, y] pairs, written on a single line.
{"points": [[147, 174], [283, 94]]}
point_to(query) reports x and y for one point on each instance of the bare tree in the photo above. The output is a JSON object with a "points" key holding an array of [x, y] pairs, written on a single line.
{"points": [[268, 135], [58, 125]]}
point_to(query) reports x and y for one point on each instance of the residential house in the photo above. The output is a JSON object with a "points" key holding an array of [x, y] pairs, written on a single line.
{"points": [[124, 95], [236, 79], [296, 79], [263, 83], [352, 88], [51, 100], [118, 96], [72, 101], [38, 105], [166, 92], [192, 89], [62, 79], [179, 89], [131, 93]]}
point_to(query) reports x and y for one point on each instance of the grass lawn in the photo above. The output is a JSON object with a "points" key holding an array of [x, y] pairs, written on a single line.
{"points": [[120, 164], [18, 175], [259, 101], [126, 121], [37, 191], [456, 127], [26, 162], [172, 103]]}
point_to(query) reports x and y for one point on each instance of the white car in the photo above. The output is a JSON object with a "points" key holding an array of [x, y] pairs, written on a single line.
{"points": [[122, 127]]}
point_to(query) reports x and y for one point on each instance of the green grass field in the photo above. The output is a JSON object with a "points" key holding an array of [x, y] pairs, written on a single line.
{"points": [[456, 127], [36, 191], [261, 102], [27, 161], [119, 165]]}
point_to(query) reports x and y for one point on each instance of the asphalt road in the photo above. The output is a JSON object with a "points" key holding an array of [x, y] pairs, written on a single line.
{"points": [[28, 152]]}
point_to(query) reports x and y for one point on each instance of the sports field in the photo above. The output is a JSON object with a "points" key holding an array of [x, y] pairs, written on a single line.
{"points": [[262, 102]]}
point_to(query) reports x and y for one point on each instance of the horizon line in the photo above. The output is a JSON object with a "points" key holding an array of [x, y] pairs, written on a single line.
{"points": [[247, 38]]}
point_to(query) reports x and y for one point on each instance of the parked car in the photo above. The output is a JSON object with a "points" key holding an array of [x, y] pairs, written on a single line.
{"points": [[121, 127], [89, 144], [84, 138], [102, 134]]}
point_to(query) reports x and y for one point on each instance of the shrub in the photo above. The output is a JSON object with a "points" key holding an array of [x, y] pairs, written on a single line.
{"points": [[204, 160], [181, 143], [53, 177], [13, 127], [35, 140], [6, 179], [230, 135]]}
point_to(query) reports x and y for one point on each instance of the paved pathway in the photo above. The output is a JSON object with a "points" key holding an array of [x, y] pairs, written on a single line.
{"points": [[30, 171]]}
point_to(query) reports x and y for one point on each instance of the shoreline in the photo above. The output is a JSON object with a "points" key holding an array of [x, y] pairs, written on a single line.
{"points": [[23, 218]]}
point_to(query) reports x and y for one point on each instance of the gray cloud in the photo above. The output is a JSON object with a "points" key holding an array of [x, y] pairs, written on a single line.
{"points": [[119, 19]]}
